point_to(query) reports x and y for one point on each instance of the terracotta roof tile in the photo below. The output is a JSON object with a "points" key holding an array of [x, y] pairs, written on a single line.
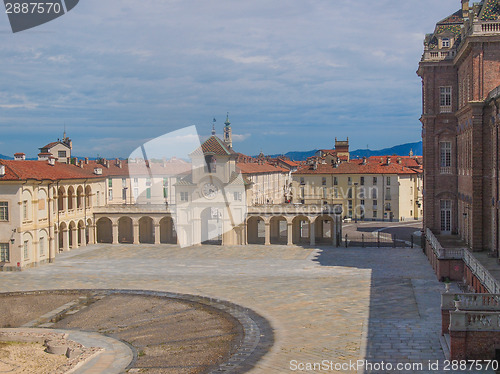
{"points": [[41, 170], [214, 146], [356, 167], [256, 168]]}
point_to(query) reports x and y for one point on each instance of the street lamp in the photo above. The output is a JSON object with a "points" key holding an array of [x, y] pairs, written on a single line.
{"points": [[355, 206]]}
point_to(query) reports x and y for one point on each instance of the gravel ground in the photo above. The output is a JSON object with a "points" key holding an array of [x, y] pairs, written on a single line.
{"points": [[169, 336], [18, 310], [28, 358]]}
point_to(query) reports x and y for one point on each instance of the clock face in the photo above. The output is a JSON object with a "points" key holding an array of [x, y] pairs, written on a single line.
{"points": [[209, 190]]}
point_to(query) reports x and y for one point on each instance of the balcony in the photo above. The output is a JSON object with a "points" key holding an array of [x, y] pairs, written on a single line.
{"points": [[445, 170]]}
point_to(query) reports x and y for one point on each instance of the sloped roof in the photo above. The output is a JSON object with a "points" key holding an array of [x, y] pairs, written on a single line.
{"points": [[156, 169], [53, 144], [357, 167], [256, 168], [213, 146], [41, 170]]}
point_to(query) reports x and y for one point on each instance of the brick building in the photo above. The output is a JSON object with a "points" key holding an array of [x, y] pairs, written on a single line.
{"points": [[460, 71]]}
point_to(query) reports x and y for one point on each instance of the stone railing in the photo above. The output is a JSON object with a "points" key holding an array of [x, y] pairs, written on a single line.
{"points": [[134, 208], [471, 301], [486, 27], [480, 272], [474, 321], [443, 253]]}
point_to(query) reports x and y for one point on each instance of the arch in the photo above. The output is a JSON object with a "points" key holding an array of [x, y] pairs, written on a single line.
{"points": [[324, 229], [89, 232], [61, 192], [71, 198], [167, 231], [104, 230], [125, 230], [278, 230], [211, 226], [63, 232], [88, 196], [146, 230], [27, 198], [256, 230], [79, 197], [300, 230]]}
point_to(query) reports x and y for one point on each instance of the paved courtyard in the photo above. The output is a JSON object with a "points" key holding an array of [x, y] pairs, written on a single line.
{"points": [[324, 303]]}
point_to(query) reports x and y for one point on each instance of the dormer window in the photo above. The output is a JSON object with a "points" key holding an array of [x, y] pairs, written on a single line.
{"points": [[445, 43]]}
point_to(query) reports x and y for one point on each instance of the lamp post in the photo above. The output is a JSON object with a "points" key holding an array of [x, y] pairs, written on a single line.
{"points": [[355, 202]]}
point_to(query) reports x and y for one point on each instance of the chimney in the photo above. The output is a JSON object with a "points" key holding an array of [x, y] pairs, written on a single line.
{"points": [[388, 160], [19, 156], [82, 163], [2, 170], [465, 8], [107, 164], [86, 160], [120, 164], [97, 171], [43, 156], [52, 161], [399, 160], [364, 160]]}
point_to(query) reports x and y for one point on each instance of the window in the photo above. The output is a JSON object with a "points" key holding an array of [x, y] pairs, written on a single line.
{"points": [[124, 194], [350, 204], [445, 157], [237, 196], [362, 181], [110, 182], [388, 193], [302, 180], [136, 182], [374, 214], [362, 202], [98, 198], [136, 193], [445, 43], [349, 193], [148, 182], [335, 181], [374, 193], [323, 181], [4, 211], [374, 181], [387, 206], [184, 196], [4, 252], [388, 180], [361, 193], [349, 181], [124, 182], [110, 195], [336, 192], [375, 204], [445, 99], [148, 193], [61, 154], [26, 249], [25, 210], [42, 246], [165, 187], [324, 193], [301, 192]]}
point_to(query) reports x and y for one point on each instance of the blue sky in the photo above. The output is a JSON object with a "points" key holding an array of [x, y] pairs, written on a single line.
{"points": [[293, 74]]}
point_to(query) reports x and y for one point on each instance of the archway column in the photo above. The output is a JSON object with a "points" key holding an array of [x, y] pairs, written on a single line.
{"points": [[312, 239], [136, 232], [74, 238], [115, 233], [91, 234], [157, 233], [65, 234], [267, 235], [289, 233], [82, 242], [52, 248]]}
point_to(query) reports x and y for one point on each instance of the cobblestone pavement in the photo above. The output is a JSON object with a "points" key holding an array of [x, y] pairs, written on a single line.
{"points": [[324, 303]]}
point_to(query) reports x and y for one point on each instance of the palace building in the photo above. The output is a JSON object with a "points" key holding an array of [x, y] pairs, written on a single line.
{"points": [[460, 71]]}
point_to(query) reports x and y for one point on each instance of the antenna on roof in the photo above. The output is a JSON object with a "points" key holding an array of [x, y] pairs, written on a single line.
{"points": [[213, 126]]}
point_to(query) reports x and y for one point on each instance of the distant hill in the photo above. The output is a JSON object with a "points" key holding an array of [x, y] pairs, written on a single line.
{"points": [[3, 157], [399, 150]]}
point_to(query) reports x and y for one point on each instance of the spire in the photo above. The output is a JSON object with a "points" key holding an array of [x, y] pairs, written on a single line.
{"points": [[228, 133], [213, 126]]}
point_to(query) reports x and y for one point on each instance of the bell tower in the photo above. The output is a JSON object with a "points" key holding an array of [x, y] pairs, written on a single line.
{"points": [[228, 136]]}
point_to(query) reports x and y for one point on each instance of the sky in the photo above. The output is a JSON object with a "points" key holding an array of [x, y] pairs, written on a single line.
{"points": [[293, 74]]}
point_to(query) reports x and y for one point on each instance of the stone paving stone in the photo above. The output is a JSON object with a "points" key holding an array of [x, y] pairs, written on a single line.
{"points": [[323, 303]]}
